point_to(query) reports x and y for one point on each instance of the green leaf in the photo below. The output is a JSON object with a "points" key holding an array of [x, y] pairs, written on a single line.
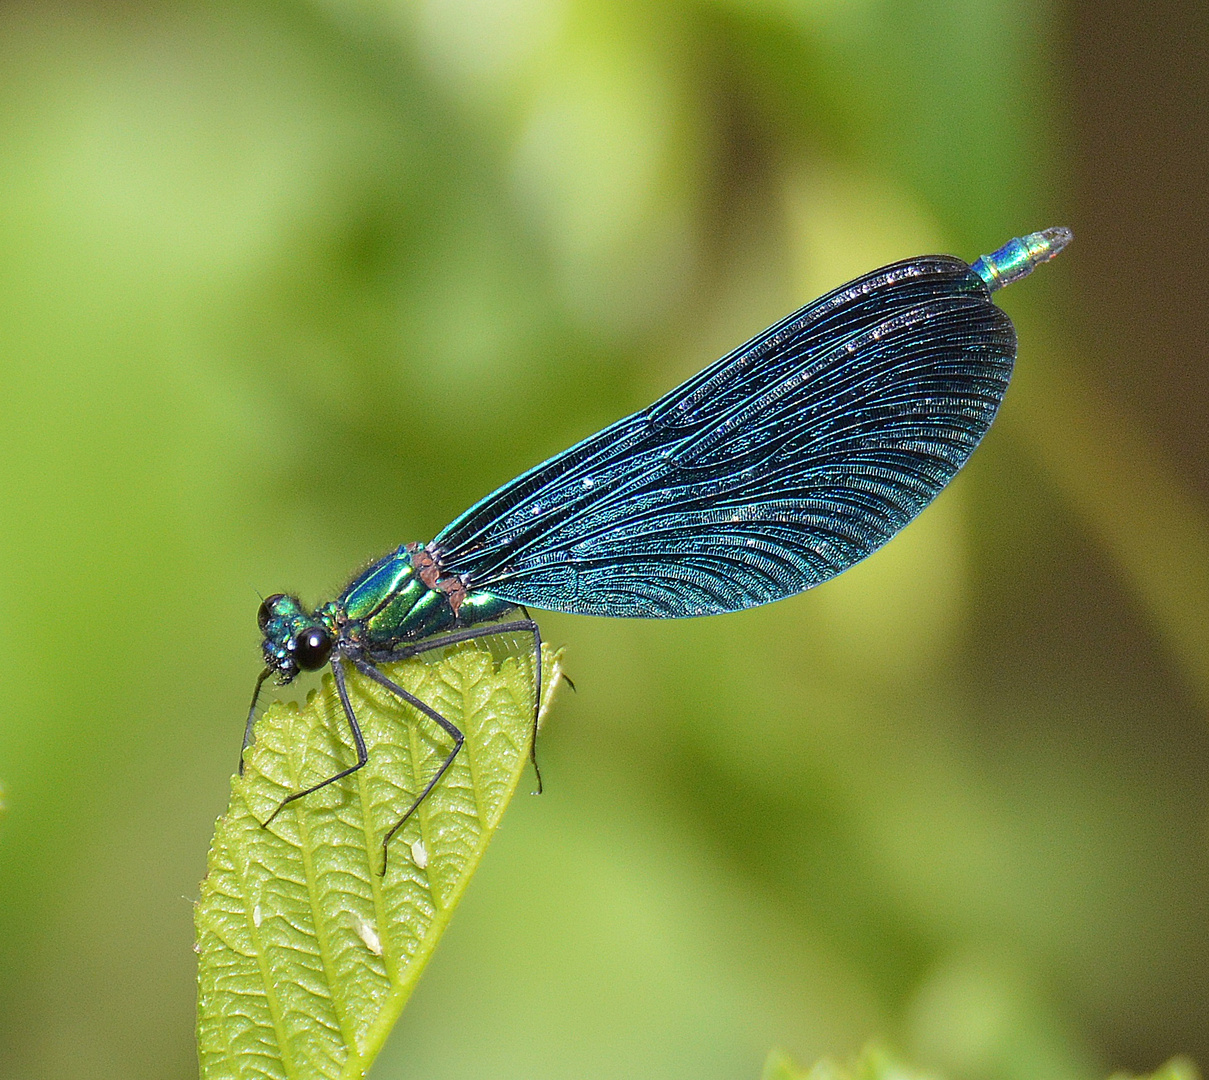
{"points": [[307, 954], [1178, 1068], [872, 1063], [780, 1066], [875, 1063]]}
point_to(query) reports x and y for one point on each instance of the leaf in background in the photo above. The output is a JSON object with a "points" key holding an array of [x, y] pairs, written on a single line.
{"points": [[1178, 1068], [874, 1063], [308, 955], [780, 1066]]}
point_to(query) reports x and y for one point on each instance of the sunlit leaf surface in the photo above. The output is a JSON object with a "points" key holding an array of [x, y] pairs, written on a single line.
{"points": [[308, 953]]}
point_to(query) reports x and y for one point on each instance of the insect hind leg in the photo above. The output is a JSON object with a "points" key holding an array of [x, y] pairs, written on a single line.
{"points": [[524, 626]]}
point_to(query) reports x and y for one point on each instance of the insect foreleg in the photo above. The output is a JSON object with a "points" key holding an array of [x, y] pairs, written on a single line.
{"points": [[358, 739]]}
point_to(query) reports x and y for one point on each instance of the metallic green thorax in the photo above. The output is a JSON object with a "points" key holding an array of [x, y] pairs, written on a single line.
{"points": [[388, 604], [402, 598]]}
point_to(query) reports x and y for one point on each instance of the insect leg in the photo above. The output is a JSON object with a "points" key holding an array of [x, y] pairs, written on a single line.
{"points": [[247, 731], [526, 626], [450, 729], [358, 738]]}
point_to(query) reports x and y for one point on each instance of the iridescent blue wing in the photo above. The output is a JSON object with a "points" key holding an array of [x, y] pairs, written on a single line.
{"points": [[771, 471]]}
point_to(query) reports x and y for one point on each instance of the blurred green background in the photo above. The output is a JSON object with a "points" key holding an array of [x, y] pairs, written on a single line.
{"points": [[284, 284]]}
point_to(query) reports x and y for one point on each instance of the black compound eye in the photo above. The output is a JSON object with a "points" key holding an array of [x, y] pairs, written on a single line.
{"points": [[312, 648], [266, 610]]}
